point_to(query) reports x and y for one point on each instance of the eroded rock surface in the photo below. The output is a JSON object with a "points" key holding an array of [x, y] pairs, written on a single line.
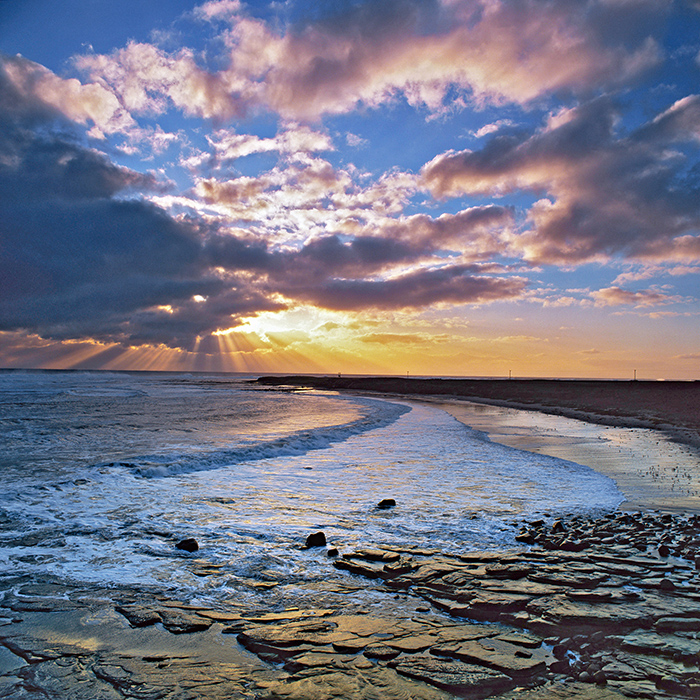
{"points": [[617, 617]]}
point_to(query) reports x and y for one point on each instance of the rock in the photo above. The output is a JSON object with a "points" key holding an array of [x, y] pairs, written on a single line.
{"points": [[316, 539], [525, 536], [558, 526], [678, 624], [374, 555], [332, 552], [509, 571], [188, 545], [455, 676], [413, 644], [386, 503], [496, 655], [663, 550], [138, 615], [180, 622], [381, 651], [366, 569]]}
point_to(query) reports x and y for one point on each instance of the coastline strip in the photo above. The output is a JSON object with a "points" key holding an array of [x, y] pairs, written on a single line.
{"points": [[671, 407]]}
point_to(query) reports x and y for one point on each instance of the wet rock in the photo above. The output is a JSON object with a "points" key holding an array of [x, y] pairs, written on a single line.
{"points": [[366, 569], [525, 537], [181, 622], [333, 552], [668, 645], [497, 655], [188, 545], [678, 624], [454, 676], [316, 539], [386, 503], [413, 644], [509, 571], [381, 651], [374, 555], [138, 615]]}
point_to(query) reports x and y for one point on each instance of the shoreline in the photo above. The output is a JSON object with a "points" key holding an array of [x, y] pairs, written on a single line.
{"points": [[575, 607], [653, 470], [669, 407]]}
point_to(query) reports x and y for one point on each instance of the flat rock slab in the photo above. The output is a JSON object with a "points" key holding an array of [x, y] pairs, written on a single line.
{"points": [[678, 624], [179, 622], [362, 679], [454, 676], [414, 643], [669, 645], [570, 691], [365, 626], [465, 632], [580, 614], [497, 655], [138, 615]]}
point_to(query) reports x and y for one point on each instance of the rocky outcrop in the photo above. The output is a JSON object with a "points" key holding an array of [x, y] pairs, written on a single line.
{"points": [[614, 620]]}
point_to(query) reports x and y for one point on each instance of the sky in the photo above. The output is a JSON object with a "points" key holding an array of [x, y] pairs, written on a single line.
{"points": [[432, 187]]}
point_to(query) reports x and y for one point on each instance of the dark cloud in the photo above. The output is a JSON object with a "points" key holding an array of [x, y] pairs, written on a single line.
{"points": [[458, 284], [608, 193], [84, 256], [80, 259]]}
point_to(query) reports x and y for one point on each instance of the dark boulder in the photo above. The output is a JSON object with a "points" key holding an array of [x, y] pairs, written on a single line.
{"points": [[316, 539], [386, 503], [189, 545]]}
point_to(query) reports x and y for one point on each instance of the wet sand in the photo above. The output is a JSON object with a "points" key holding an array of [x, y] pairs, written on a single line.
{"points": [[672, 407]]}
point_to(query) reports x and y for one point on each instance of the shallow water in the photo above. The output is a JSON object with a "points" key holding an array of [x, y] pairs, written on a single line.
{"points": [[105, 472], [651, 470]]}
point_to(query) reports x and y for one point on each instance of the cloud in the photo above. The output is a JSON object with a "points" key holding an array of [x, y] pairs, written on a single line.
{"points": [[404, 338], [294, 140], [84, 254], [606, 193], [31, 84], [147, 80], [80, 260], [218, 10], [615, 296], [376, 52], [450, 285]]}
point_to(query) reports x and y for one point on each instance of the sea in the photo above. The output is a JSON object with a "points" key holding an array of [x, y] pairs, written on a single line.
{"points": [[103, 473]]}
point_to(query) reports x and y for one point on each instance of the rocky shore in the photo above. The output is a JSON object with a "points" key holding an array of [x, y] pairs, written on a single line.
{"points": [[673, 407], [578, 608]]}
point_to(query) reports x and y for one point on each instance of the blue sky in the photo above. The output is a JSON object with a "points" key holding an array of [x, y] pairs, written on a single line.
{"points": [[445, 187]]}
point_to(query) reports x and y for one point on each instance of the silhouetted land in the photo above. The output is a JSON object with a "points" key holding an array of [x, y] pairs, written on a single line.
{"points": [[670, 406]]}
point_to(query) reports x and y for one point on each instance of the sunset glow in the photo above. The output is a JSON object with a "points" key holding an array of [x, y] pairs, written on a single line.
{"points": [[438, 187]]}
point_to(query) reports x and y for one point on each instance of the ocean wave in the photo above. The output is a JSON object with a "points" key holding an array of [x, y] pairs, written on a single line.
{"points": [[380, 414]]}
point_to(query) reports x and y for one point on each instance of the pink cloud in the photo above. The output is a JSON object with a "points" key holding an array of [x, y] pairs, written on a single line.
{"points": [[78, 102], [488, 51], [615, 296]]}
